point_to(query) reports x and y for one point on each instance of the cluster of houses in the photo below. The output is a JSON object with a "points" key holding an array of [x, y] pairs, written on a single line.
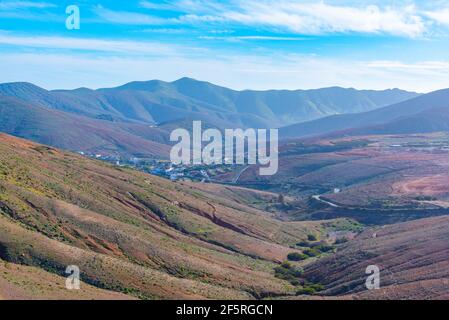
{"points": [[165, 168]]}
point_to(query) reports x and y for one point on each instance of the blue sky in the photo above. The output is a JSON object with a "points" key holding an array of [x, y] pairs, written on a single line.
{"points": [[242, 44]]}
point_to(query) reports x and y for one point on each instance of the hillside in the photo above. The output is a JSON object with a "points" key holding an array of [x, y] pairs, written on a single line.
{"points": [[413, 259], [376, 180], [138, 234], [158, 101], [426, 113], [18, 282], [77, 133]]}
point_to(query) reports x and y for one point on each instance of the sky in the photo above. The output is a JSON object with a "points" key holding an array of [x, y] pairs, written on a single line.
{"points": [[240, 44]]}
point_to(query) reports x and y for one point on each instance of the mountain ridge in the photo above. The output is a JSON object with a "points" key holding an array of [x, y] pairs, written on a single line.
{"points": [[380, 121], [157, 101]]}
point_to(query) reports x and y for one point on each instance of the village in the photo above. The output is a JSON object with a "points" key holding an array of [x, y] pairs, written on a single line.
{"points": [[168, 170]]}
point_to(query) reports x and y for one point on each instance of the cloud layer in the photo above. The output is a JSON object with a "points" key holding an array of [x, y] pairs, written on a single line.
{"points": [[301, 17], [257, 44]]}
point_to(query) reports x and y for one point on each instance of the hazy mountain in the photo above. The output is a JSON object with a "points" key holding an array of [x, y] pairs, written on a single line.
{"points": [[426, 113], [158, 101]]}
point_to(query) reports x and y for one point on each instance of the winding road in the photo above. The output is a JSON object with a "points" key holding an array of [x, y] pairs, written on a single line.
{"points": [[318, 198]]}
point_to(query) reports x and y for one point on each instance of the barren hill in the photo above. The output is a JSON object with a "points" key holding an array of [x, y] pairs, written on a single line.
{"points": [[413, 258], [138, 234]]}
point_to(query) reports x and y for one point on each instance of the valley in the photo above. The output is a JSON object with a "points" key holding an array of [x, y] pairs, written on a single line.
{"points": [[374, 179], [238, 158], [141, 235], [135, 235], [102, 195]]}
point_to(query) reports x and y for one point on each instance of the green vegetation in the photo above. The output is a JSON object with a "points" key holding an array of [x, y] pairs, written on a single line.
{"points": [[303, 244], [324, 248], [310, 289], [348, 225], [314, 250], [312, 237], [425, 198], [288, 272], [295, 256], [302, 148], [341, 240], [123, 225], [311, 252]]}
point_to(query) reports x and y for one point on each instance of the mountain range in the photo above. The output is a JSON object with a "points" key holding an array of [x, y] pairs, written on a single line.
{"points": [[136, 119], [158, 101], [135, 235], [423, 114]]}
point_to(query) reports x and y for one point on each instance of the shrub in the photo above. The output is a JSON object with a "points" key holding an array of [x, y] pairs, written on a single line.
{"points": [[295, 282], [317, 286], [310, 289], [295, 256], [306, 290], [303, 244], [288, 272], [341, 240], [425, 198], [311, 237], [311, 252], [281, 273], [324, 248]]}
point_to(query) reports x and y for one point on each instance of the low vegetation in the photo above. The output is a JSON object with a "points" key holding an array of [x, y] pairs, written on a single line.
{"points": [[287, 271]]}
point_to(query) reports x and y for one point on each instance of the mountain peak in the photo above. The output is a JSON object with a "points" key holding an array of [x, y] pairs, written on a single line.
{"points": [[187, 79], [19, 85], [149, 85]]}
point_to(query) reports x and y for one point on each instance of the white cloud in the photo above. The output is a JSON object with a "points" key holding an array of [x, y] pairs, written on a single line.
{"points": [[262, 38], [427, 66], [90, 45], [319, 18], [11, 5], [276, 71], [288, 15], [441, 16], [130, 18], [157, 5]]}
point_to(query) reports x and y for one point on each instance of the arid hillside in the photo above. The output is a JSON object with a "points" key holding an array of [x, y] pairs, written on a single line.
{"points": [[134, 233], [413, 259], [78, 133]]}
